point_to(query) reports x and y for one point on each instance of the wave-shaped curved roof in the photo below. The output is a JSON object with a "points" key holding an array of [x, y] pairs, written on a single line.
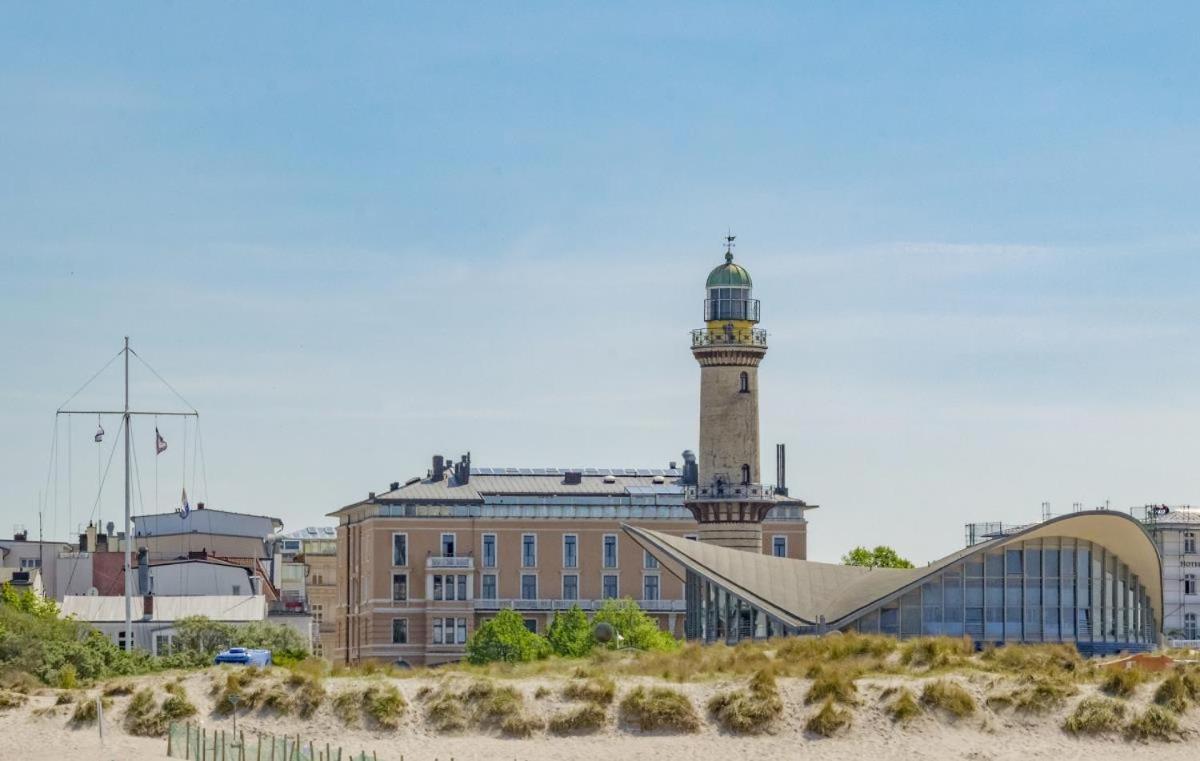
{"points": [[805, 592]]}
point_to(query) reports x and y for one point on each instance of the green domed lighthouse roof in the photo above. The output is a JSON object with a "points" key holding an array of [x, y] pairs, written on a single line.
{"points": [[729, 275]]}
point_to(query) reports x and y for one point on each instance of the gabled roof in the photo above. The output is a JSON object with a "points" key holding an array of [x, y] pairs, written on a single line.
{"points": [[805, 592]]}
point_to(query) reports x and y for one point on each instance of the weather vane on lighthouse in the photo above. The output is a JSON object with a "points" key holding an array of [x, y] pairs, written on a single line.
{"points": [[729, 239]]}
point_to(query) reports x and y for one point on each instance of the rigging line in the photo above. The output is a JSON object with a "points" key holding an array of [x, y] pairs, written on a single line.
{"points": [[203, 464], [89, 380], [99, 492], [50, 465], [141, 498], [156, 463], [164, 381], [70, 480]]}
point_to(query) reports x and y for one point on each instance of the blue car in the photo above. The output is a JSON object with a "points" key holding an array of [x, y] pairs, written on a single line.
{"points": [[244, 657]]}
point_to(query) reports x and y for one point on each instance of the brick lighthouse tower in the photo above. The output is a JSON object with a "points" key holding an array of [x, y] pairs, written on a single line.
{"points": [[728, 498]]}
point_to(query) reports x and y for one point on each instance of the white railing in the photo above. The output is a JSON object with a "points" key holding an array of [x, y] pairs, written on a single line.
{"points": [[1184, 643], [650, 606], [467, 563]]}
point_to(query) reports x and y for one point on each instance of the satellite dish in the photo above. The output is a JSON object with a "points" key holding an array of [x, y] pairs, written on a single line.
{"points": [[604, 632], [92, 592]]}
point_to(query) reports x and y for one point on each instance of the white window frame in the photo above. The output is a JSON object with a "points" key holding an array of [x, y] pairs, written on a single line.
{"points": [[645, 576], [460, 631], [442, 543], [649, 562], [1189, 542], [1189, 583], [437, 632], [775, 538], [617, 593], [28, 564], [406, 631], [495, 550], [563, 590], [564, 551], [616, 552], [535, 549], [406, 587], [406, 549], [535, 587], [495, 586]]}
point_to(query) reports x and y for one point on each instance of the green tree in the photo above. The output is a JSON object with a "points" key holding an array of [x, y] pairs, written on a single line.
{"points": [[202, 636], [570, 634], [505, 638], [636, 629], [880, 557]]}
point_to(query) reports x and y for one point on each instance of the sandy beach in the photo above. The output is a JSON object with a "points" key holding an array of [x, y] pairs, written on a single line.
{"points": [[39, 731]]}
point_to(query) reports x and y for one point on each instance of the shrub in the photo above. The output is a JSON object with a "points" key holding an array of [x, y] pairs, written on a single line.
{"points": [[659, 708], [542, 691], [520, 725], [67, 677], [586, 718], [118, 688], [832, 683], [1122, 683], [1155, 723], [1191, 681], [446, 713], [384, 704], [1172, 693], [949, 697], [177, 706], [829, 720], [752, 711], [20, 682], [1040, 696], [570, 635], [64, 698], [505, 638], [85, 710], [307, 693], [636, 629], [142, 716], [347, 706], [1043, 661], [935, 652], [1095, 716], [599, 690], [905, 707], [11, 700]]}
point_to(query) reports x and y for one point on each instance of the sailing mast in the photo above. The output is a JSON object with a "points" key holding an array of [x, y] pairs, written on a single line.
{"points": [[127, 418]]}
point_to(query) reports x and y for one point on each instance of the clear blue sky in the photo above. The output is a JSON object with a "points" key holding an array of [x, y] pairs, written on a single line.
{"points": [[354, 237]]}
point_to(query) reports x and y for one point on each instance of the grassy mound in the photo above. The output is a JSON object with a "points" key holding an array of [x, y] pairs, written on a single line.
{"points": [[949, 697], [834, 684], [751, 711], [483, 704], [589, 717], [142, 717], [176, 706], [1096, 716], [384, 705], [1155, 723], [1040, 696], [600, 690], [85, 710], [1173, 694], [659, 708], [1122, 683], [905, 707], [11, 700], [828, 721], [251, 689], [935, 652]]}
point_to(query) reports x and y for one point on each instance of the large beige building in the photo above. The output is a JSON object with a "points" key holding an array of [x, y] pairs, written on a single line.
{"points": [[423, 564]]}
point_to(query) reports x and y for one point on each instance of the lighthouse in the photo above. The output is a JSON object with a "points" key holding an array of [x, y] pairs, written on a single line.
{"points": [[728, 498]]}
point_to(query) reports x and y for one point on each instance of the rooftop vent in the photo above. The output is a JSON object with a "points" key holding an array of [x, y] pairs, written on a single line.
{"points": [[610, 479], [370, 496], [574, 477], [659, 480], [395, 485]]}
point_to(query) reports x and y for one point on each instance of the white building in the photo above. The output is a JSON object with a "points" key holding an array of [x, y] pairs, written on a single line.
{"points": [[1175, 531]]}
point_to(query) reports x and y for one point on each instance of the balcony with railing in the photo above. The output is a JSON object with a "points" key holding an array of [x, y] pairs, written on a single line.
{"points": [[456, 562], [728, 491], [650, 606], [729, 336]]}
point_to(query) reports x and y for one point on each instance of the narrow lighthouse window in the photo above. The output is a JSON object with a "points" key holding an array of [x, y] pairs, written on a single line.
{"points": [[745, 474], [744, 383]]}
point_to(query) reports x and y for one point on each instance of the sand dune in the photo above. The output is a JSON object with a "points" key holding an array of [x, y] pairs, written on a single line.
{"points": [[39, 732]]}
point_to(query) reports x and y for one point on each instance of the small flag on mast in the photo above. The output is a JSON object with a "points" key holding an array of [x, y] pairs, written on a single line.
{"points": [[185, 509], [99, 433], [160, 444]]}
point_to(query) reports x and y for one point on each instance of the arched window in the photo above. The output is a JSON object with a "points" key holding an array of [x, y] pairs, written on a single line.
{"points": [[745, 474], [744, 383]]}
